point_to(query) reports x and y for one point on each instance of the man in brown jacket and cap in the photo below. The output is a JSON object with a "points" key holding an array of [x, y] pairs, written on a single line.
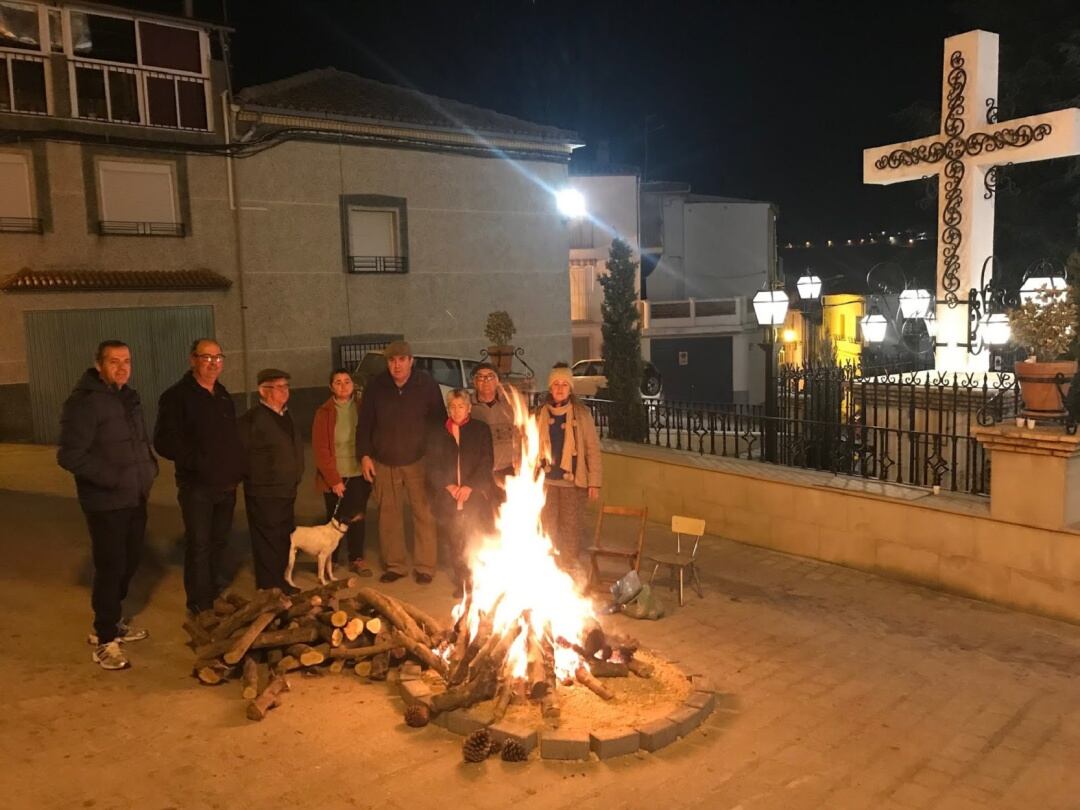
{"points": [[396, 412]]}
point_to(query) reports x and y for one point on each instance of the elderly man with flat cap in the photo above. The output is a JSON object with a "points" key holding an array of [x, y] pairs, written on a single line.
{"points": [[396, 412], [275, 464]]}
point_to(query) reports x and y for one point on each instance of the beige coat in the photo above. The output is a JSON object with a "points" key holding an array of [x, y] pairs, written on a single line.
{"points": [[587, 443]]}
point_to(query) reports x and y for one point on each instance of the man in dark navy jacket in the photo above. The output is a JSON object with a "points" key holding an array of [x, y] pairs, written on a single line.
{"points": [[196, 430], [104, 443]]}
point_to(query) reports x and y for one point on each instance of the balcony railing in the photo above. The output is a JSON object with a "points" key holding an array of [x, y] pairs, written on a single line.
{"points": [[21, 225], [22, 83], [134, 95], [378, 264], [117, 228]]}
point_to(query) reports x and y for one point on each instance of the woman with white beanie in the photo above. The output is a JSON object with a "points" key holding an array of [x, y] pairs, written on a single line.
{"points": [[571, 460]]}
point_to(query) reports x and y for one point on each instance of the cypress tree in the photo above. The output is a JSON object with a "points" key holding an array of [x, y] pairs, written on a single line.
{"points": [[621, 330]]}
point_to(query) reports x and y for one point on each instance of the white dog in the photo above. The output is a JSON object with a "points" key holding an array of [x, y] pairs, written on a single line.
{"points": [[320, 542]]}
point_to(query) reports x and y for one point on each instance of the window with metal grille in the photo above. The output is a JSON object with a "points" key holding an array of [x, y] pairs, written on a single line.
{"points": [[138, 199], [17, 214]]}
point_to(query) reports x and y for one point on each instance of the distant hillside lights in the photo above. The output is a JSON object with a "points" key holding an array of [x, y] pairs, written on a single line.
{"points": [[899, 239]]}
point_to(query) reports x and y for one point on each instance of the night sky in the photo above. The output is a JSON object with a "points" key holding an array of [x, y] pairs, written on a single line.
{"points": [[764, 100]]}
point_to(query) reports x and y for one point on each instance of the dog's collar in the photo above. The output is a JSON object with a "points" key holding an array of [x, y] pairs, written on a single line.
{"points": [[341, 526]]}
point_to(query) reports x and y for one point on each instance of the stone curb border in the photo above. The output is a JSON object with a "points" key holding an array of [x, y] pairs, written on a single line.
{"points": [[577, 745]]}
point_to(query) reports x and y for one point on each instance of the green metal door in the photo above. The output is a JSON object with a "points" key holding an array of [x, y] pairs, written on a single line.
{"points": [[60, 346]]}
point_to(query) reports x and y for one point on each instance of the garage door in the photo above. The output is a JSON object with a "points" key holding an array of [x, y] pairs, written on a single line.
{"points": [[60, 346]]}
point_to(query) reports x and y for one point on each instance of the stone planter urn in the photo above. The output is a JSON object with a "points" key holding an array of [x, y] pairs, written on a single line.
{"points": [[1039, 387]]}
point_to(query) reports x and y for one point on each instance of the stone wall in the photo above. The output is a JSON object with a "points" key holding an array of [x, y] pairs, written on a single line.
{"points": [[947, 541]]}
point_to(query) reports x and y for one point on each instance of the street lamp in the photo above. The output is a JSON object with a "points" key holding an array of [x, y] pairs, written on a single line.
{"points": [[995, 329], [770, 309], [915, 303], [570, 202], [809, 287], [874, 326], [1042, 289]]}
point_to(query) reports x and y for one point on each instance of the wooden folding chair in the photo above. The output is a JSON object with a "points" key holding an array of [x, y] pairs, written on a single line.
{"points": [[631, 555], [682, 561]]}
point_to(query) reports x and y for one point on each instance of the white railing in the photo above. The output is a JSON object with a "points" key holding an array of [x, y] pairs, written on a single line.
{"points": [[133, 95]]}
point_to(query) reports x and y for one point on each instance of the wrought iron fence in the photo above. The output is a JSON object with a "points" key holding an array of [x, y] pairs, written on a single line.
{"points": [[907, 428]]}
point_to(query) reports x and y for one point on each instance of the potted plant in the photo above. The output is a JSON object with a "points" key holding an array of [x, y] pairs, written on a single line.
{"points": [[1045, 326], [499, 331]]}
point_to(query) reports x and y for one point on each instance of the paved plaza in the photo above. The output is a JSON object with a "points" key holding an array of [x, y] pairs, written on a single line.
{"points": [[839, 690]]}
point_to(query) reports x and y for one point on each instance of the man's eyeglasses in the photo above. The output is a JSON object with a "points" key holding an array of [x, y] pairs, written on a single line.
{"points": [[211, 358], [486, 378]]}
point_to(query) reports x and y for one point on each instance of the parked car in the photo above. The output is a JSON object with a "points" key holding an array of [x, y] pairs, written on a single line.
{"points": [[449, 372], [589, 379]]}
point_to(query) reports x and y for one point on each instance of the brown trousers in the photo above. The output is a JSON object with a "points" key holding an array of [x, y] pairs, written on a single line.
{"points": [[561, 518], [393, 486]]}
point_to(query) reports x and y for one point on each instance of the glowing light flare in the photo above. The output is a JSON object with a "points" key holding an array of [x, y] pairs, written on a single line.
{"points": [[570, 202]]}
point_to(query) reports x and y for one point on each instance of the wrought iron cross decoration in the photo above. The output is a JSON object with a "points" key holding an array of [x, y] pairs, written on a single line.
{"points": [[964, 156]]}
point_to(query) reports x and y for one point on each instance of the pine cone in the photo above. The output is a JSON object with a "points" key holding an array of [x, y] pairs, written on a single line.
{"points": [[476, 746], [495, 747], [417, 715], [514, 751]]}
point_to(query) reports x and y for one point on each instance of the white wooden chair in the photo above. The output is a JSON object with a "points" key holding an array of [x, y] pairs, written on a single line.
{"points": [[685, 529]]}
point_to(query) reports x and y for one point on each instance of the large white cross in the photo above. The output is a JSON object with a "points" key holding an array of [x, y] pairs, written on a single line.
{"points": [[970, 146]]}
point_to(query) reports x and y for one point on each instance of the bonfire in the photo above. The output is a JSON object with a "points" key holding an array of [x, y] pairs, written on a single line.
{"points": [[524, 627]]}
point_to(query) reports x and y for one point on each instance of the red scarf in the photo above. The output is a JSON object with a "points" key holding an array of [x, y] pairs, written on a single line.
{"points": [[450, 424]]}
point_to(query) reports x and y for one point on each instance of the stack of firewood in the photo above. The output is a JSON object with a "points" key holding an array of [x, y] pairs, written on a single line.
{"points": [[341, 624]]}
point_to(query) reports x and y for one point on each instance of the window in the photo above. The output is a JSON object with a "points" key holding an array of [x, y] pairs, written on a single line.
{"points": [[138, 199], [16, 198], [22, 61], [581, 283], [374, 234], [446, 372], [581, 234], [138, 72]]}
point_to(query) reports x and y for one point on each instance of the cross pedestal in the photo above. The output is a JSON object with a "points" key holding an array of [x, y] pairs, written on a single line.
{"points": [[964, 156]]}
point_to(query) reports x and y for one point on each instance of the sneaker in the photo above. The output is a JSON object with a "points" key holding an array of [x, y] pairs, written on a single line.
{"points": [[110, 656], [124, 633], [422, 579], [360, 568], [390, 576]]}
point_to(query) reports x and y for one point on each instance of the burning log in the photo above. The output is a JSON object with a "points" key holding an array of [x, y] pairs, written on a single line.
{"points": [[502, 700], [260, 706], [483, 673], [586, 678], [643, 669], [537, 682], [608, 669], [485, 627]]}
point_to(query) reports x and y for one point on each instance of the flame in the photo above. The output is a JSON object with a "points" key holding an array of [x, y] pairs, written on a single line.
{"points": [[515, 570]]}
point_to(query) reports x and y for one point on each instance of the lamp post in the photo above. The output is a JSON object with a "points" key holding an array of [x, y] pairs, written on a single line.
{"points": [[770, 309], [809, 288]]}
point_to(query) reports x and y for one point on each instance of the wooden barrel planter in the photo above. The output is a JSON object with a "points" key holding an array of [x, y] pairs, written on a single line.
{"points": [[1043, 399]]}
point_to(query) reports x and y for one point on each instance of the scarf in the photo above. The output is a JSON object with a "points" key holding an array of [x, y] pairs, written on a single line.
{"points": [[569, 448]]}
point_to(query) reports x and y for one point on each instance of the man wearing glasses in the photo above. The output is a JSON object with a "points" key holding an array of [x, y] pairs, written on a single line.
{"points": [[494, 410], [275, 464], [196, 430]]}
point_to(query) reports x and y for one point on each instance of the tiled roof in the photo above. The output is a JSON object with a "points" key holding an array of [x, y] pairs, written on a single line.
{"points": [[335, 93], [27, 280]]}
